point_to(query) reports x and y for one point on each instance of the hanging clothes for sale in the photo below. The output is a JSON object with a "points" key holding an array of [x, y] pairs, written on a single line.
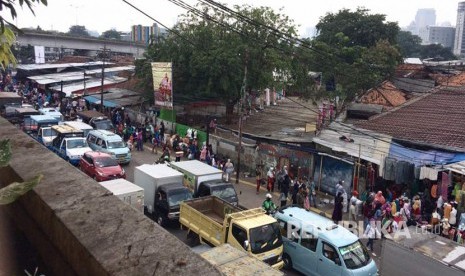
{"points": [[428, 173], [444, 184], [389, 168]]}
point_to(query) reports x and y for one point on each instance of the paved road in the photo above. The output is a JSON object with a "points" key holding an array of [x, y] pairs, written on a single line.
{"points": [[245, 189]]}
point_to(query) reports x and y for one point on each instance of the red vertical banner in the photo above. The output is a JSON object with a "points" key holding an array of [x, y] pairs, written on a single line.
{"points": [[162, 84]]}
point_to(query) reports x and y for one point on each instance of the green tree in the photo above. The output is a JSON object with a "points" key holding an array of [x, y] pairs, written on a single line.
{"points": [[77, 30], [111, 34], [360, 27], [7, 36], [436, 52], [409, 44], [355, 50], [24, 54], [209, 59]]}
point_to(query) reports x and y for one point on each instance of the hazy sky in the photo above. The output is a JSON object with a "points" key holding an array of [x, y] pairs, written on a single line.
{"points": [[102, 15]]}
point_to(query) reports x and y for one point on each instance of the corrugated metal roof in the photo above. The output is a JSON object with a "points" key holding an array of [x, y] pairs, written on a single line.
{"points": [[30, 67], [74, 87], [373, 147], [70, 76]]}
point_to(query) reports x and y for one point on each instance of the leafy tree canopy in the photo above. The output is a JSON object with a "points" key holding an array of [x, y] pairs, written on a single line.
{"points": [[409, 44], [209, 59], [7, 36], [355, 50], [436, 52], [77, 30], [360, 27], [111, 34]]}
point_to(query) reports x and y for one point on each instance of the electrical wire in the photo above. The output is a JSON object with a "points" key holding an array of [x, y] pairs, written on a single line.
{"points": [[357, 130]]}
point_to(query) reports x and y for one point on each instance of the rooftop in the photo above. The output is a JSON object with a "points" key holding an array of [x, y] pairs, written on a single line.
{"points": [[285, 122], [435, 119]]}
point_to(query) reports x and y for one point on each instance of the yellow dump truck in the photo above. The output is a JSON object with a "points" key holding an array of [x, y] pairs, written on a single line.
{"points": [[214, 221], [232, 261]]}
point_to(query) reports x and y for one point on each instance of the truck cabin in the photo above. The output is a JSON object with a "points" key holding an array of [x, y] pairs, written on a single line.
{"points": [[21, 113], [35, 122], [102, 123], [64, 131], [51, 112], [219, 189], [26, 112], [173, 195]]}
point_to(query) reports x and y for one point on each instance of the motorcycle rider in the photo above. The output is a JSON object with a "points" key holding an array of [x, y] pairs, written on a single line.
{"points": [[268, 205]]}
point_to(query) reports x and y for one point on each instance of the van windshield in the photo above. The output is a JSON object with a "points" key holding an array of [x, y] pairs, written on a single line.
{"points": [[265, 238], [116, 144], [355, 255]]}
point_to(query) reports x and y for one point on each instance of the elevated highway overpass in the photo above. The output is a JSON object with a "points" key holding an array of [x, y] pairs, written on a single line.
{"points": [[90, 44]]}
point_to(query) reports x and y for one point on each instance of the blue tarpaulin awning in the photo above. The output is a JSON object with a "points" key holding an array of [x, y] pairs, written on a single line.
{"points": [[424, 157], [96, 100]]}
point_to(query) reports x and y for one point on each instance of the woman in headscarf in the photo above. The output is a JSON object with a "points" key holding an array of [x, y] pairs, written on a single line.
{"points": [[337, 212], [405, 210], [379, 198]]}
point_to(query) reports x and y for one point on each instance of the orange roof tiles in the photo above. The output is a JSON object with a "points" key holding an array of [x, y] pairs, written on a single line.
{"points": [[391, 96]]}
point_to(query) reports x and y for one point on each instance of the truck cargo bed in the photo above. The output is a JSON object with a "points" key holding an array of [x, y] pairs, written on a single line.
{"points": [[205, 216], [231, 261]]}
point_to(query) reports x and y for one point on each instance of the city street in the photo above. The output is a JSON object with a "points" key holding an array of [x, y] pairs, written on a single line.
{"points": [[245, 190]]}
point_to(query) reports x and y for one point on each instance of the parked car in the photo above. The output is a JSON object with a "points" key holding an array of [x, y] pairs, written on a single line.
{"points": [[101, 166]]}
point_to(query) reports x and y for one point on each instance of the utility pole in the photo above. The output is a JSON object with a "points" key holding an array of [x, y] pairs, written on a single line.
{"points": [[103, 77], [241, 103]]}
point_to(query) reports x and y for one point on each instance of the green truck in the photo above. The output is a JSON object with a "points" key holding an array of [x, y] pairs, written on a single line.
{"points": [[214, 221]]}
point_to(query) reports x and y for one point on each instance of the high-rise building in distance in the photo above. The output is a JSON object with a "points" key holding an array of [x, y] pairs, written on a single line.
{"points": [[145, 34], [423, 19], [459, 44]]}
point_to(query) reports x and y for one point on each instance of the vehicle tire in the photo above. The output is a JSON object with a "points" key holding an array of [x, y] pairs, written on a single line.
{"points": [[193, 239], [287, 262]]}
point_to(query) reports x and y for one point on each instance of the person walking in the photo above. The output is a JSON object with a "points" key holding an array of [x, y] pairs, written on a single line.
{"points": [[312, 193], [337, 212], [295, 191], [285, 190], [140, 141], [162, 133], [258, 177], [270, 176], [228, 169], [353, 212], [372, 233], [340, 189]]}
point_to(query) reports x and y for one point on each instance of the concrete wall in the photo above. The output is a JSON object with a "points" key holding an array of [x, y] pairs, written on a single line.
{"points": [[300, 163], [78, 228]]}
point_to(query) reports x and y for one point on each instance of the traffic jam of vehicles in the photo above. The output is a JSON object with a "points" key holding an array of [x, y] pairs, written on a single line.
{"points": [[194, 196]]}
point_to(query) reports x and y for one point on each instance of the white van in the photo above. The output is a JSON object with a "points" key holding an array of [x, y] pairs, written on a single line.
{"points": [[314, 245], [79, 125], [111, 143]]}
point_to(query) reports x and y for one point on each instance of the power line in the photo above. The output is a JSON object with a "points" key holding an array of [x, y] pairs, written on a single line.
{"points": [[303, 45]]}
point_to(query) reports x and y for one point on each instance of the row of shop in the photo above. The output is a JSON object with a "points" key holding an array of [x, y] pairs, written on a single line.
{"points": [[366, 162]]}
